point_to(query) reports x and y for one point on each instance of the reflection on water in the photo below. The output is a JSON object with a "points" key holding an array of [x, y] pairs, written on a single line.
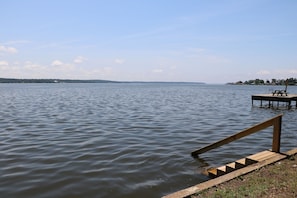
{"points": [[124, 140]]}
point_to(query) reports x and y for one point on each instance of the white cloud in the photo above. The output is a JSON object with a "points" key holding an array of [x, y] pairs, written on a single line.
{"points": [[33, 66], [286, 72], [10, 50], [173, 67], [3, 63], [197, 50], [293, 71], [107, 70], [57, 63], [16, 42], [119, 61], [157, 70], [263, 72], [79, 59], [59, 66], [279, 74]]}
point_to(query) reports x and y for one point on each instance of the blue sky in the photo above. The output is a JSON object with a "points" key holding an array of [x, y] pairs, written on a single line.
{"points": [[215, 41]]}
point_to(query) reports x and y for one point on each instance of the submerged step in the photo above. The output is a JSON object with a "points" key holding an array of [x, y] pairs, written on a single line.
{"points": [[212, 172], [216, 172]]}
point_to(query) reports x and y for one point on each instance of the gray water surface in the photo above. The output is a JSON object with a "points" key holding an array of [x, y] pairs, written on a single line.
{"points": [[126, 139]]}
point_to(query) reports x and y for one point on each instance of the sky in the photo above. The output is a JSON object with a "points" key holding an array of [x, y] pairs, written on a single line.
{"points": [[214, 41]]}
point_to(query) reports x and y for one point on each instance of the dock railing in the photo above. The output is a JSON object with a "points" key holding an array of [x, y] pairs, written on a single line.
{"points": [[276, 122]]}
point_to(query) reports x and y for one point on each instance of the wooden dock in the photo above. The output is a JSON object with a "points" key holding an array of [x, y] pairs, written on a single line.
{"points": [[272, 98]]}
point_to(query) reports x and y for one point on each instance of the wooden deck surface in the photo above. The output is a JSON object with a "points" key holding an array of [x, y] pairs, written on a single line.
{"points": [[274, 97]]}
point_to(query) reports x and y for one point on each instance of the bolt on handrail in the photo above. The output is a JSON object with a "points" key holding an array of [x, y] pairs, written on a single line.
{"points": [[276, 122]]}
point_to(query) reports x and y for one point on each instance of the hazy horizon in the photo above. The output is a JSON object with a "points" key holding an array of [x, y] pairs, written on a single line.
{"points": [[213, 42]]}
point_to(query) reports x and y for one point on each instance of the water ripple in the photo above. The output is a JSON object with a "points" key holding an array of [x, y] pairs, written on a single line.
{"points": [[123, 140]]}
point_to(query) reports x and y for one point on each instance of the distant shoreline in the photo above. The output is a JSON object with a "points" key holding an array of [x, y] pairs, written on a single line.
{"points": [[15, 80]]}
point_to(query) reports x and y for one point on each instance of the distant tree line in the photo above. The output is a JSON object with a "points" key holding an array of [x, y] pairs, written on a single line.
{"points": [[14, 80], [291, 81]]}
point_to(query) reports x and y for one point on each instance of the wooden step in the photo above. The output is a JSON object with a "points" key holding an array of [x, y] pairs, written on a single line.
{"points": [[235, 165], [222, 170], [241, 163], [230, 167], [250, 161], [216, 172], [264, 155]]}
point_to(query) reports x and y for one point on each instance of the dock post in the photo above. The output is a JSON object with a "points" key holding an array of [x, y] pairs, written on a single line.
{"points": [[277, 134]]}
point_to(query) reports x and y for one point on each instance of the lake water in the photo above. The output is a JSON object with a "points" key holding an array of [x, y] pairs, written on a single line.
{"points": [[125, 139]]}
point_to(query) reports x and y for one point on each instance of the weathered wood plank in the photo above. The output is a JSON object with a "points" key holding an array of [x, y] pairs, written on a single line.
{"points": [[241, 161], [277, 134], [292, 152], [261, 156], [230, 167], [270, 97], [249, 161], [239, 164]]}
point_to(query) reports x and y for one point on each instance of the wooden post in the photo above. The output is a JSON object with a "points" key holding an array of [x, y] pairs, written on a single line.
{"points": [[277, 127]]}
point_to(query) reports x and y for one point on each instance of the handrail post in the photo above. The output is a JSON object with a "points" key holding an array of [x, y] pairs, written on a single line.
{"points": [[277, 127]]}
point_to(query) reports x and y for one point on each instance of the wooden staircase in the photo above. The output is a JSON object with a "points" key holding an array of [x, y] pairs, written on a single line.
{"points": [[242, 166], [244, 162], [252, 159], [265, 158]]}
